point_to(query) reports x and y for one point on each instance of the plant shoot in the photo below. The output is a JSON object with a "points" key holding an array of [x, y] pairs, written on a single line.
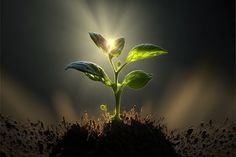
{"points": [[136, 79]]}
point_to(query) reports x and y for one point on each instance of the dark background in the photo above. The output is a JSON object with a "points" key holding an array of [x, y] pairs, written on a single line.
{"points": [[38, 38]]}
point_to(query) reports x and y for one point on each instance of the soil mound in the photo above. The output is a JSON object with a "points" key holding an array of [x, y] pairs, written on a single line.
{"points": [[117, 139]]}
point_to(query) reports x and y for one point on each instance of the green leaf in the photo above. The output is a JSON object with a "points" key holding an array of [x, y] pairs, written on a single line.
{"points": [[117, 47], [99, 40], [144, 51], [92, 70], [136, 79]]}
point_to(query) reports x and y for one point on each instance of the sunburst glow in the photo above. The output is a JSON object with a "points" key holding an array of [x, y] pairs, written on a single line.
{"points": [[112, 21], [110, 44]]}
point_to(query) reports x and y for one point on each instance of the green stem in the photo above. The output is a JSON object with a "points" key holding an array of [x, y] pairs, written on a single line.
{"points": [[117, 111], [118, 71], [112, 65], [117, 91]]}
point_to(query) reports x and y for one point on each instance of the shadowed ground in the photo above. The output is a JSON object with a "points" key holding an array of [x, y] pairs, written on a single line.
{"points": [[133, 136], [117, 139]]}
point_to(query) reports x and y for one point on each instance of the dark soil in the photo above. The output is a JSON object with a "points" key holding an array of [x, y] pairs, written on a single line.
{"points": [[119, 139], [133, 136]]}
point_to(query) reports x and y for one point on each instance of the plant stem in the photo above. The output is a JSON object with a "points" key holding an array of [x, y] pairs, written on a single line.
{"points": [[118, 71], [117, 110], [117, 91], [112, 65]]}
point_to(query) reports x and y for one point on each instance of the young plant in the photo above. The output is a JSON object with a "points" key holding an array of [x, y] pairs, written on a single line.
{"points": [[136, 79]]}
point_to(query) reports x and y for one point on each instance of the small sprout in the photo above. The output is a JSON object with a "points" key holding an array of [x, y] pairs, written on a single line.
{"points": [[118, 64], [112, 48], [103, 107]]}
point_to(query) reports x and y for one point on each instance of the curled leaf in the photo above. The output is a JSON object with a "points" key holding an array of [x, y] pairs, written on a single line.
{"points": [[103, 107]]}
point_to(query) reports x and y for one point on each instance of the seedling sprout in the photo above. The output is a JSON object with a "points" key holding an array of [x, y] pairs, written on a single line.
{"points": [[136, 79]]}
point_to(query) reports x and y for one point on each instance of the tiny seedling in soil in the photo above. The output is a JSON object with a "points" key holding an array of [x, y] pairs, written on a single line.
{"points": [[136, 79]]}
